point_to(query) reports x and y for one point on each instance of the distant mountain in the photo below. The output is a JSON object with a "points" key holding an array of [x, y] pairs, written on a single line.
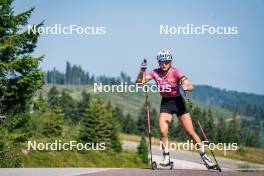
{"points": [[247, 104], [238, 102]]}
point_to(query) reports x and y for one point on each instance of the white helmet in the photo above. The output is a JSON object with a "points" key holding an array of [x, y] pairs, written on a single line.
{"points": [[164, 55]]}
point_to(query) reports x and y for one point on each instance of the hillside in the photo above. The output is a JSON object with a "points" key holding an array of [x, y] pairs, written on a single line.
{"points": [[131, 102], [246, 104], [223, 104]]}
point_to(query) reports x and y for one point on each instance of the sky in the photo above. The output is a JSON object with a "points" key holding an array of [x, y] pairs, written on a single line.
{"points": [[232, 62]]}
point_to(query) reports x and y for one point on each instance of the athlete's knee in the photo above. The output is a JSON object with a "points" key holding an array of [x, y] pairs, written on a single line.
{"points": [[163, 132]]}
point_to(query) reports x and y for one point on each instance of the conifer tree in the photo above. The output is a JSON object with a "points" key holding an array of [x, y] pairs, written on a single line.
{"points": [[20, 75], [115, 129], [142, 150], [104, 126], [209, 126], [68, 107], [89, 124], [53, 97], [221, 133], [40, 104], [54, 124], [97, 125], [82, 105], [130, 126], [119, 116]]}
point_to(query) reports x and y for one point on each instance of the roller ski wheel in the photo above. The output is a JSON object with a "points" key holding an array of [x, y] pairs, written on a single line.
{"points": [[171, 165], [216, 167], [154, 165]]}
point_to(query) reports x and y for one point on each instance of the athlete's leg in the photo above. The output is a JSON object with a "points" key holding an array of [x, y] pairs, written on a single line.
{"points": [[186, 122], [164, 120]]}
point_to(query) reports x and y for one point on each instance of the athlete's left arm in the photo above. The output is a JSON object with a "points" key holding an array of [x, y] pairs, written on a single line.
{"points": [[186, 84]]}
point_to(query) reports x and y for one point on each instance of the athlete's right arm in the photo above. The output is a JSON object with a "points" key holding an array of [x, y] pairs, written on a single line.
{"points": [[143, 78]]}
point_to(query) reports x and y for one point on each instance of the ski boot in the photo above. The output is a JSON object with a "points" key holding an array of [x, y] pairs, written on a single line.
{"points": [[166, 161], [210, 164]]}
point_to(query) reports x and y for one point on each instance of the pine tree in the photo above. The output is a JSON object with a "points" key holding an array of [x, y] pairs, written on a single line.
{"points": [[197, 115], [173, 132], [89, 124], [142, 122], [82, 105], [177, 131], [209, 126], [221, 132], [68, 106], [95, 126], [53, 97], [254, 139], [115, 129], [68, 73], [20, 76], [92, 80], [54, 124], [40, 104], [104, 126], [142, 150], [203, 118], [129, 125], [233, 130], [154, 122], [119, 116]]}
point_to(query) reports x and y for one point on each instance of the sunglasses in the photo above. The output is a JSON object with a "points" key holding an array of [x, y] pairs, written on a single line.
{"points": [[165, 62]]}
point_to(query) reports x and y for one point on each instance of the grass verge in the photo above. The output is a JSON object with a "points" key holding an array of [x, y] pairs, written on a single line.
{"points": [[127, 159], [248, 154]]}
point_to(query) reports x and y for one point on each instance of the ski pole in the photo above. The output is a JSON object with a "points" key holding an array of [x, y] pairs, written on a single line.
{"points": [[149, 128], [205, 137], [144, 66]]}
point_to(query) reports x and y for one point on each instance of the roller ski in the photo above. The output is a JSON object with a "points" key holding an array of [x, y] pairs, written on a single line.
{"points": [[166, 161], [211, 165]]}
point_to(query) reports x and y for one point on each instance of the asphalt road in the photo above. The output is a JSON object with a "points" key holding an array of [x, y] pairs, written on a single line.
{"points": [[192, 160], [48, 171], [118, 172], [163, 172]]}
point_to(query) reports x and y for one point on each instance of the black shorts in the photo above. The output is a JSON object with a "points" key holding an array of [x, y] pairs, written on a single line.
{"points": [[173, 105]]}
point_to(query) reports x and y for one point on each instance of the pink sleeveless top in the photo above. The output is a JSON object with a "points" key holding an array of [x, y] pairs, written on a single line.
{"points": [[171, 78]]}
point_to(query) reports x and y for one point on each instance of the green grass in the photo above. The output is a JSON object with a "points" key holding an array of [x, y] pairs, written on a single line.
{"points": [[249, 154], [73, 158], [128, 159]]}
